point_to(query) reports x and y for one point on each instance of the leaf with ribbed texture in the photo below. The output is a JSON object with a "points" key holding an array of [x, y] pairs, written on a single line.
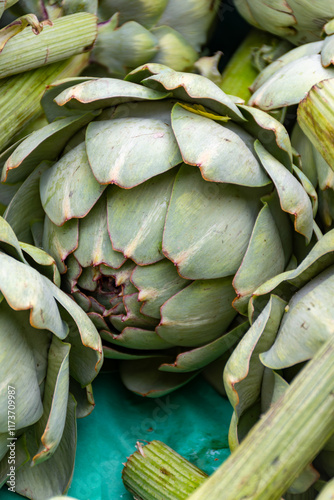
{"points": [[318, 107], [67, 36]]}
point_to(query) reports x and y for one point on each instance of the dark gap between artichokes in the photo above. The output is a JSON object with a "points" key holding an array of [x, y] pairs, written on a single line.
{"points": [[169, 203]]}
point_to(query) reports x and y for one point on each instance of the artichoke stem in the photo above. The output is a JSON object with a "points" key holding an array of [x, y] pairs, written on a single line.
{"points": [[278, 448], [284, 441], [156, 469]]}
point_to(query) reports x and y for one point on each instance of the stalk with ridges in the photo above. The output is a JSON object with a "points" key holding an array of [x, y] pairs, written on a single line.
{"points": [[273, 454], [156, 471], [16, 112], [284, 441], [240, 71]]}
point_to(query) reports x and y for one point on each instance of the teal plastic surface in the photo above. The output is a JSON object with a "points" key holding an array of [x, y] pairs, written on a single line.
{"points": [[193, 421]]}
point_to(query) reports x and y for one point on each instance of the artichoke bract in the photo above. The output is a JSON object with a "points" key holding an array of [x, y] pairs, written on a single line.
{"points": [[299, 21], [32, 55], [292, 318], [305, 76], [164, 213], [50, 353]]}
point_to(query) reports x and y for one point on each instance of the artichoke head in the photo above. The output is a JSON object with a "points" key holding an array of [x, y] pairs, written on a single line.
{"points": [[165, 205]]}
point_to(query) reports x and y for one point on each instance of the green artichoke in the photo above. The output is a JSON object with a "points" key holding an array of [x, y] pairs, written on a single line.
{"points": [[50, 353], [299, 21], [161, 212], [135, 32], [292, 318], [315, 167]]}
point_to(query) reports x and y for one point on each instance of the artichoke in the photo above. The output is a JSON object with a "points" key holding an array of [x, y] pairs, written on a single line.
{"points": [[50, 353], [133, 33], [292, 318], [305, 76], [299, 21], [164, 213]]}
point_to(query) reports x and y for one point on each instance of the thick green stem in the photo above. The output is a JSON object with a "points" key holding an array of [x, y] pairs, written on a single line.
{"points": [[283, 442], [240, 72], [155, 471], [68, 36], [20, 95], [271, 457]]}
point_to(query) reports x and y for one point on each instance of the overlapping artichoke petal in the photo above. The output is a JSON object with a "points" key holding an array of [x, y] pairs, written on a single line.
{"points": [[186, 87], [198, 314], [205, 143], [136, 218], [43, 144], [211, 213], [290, 85], [117, 150], [36, 316], [41, 479]]}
